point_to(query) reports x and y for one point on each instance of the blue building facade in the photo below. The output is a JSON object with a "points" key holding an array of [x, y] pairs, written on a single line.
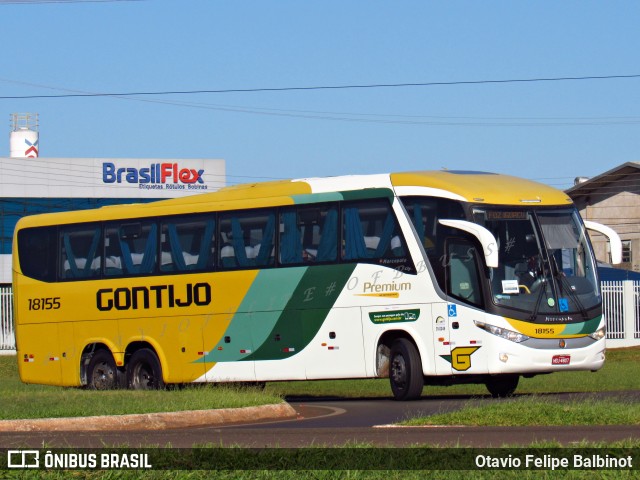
{"points": [[31, 186]]}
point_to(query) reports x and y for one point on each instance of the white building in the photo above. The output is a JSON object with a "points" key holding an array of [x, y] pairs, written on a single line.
{"points": [[38, 185], [30, 184]]}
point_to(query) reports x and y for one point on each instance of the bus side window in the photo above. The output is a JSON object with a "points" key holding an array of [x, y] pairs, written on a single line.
{"points": [[371, 232], [308, 234], [247, 239], [131, 248], [37, 253], [291, 235], [424, 213], [462, 272], [80, 247], [187, 244]]}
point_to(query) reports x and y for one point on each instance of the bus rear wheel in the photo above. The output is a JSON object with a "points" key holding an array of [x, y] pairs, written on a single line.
{"points": [[405, 370], [144, 371], [102, 373], [502, 386]]}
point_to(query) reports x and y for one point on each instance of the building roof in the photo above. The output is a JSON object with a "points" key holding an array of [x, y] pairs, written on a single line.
{"points": [[616, 175]]}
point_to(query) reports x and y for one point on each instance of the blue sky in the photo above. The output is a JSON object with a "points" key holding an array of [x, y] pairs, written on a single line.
{"points": [[548, 131]]}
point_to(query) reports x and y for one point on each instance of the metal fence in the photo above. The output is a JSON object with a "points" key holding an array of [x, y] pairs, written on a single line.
{"points": [[7, 333], [621, 308], [620, 305]]}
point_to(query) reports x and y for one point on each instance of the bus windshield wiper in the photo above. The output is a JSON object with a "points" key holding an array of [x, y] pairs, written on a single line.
{"points": [[543, 289], [565, 286]]}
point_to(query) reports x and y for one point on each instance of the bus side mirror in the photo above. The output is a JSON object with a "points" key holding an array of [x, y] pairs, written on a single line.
{"points": [[612, 236], [484, 236]]}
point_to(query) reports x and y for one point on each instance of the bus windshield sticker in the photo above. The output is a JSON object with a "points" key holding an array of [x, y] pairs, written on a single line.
{"points": [[508, 215], [510, 286], [563, 304]]}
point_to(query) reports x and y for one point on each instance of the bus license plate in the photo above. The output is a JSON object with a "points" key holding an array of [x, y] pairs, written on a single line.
{"points": [[561, 360]]}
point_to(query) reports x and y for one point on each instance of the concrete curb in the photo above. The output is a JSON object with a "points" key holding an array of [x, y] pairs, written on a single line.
{"points": [[153, 421]]}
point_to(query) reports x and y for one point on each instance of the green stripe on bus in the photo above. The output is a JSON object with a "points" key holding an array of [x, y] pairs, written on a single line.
{"points": [[316, 197], [362, 194], [305, 313], [368, 193], [257, 314], [587, 327]]}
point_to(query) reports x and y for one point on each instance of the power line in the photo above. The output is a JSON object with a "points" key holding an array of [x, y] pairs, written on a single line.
{"points": [[26, 2], [319, 87], [360, 117]]}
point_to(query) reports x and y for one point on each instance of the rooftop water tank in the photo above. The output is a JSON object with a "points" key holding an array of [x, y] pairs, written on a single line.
{"points": [[24, 136]]}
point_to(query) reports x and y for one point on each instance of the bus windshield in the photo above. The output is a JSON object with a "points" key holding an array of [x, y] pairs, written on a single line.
{"points": [[545, 263]]}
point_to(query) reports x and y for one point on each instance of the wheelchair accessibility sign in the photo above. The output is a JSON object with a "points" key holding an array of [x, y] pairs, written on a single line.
{"points": [[452, 310]]}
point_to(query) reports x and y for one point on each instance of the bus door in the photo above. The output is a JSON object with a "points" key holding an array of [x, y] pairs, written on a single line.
{"points": [[465, 306]]}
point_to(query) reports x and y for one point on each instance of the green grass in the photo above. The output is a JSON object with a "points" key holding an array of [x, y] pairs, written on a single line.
{"points": [[538, 411], [37, 401], [21, 401], [351, 455], [619, 373], [333, 475]]}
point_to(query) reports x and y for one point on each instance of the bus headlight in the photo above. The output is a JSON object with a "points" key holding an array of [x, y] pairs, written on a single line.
{"points": [[502, 332], [599, 334]]}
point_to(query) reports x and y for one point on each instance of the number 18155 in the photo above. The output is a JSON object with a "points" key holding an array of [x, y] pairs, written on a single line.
{"points": [[49, 303]]}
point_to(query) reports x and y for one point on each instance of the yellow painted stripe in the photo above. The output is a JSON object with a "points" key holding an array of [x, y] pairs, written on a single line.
{"points": [[484, 188], [537, 330], [383, 295]]}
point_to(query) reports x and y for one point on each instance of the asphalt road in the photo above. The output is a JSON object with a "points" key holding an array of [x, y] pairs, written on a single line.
{"points": [[338, 422]]}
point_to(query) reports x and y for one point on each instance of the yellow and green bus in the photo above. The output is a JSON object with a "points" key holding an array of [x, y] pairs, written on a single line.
{"points": [[427, 278]]}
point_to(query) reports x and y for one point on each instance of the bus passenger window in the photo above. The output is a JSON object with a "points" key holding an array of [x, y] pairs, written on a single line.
{"points": [[130, 248], [291, 249], [80, 247], [187, 244], [308, 234], [247, 239], [37, 253], [371, 233]]}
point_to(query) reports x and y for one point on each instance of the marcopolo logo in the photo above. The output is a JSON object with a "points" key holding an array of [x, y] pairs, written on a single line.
{"points": [[156, 176]]}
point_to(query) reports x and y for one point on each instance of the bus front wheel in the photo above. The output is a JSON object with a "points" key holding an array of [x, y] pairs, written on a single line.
{"points": [[102, 373], [405, 370], [144, 371], [502, 386]]}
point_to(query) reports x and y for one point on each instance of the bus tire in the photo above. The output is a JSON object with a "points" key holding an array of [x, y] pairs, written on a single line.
{"points": [[502, 386], [144, 371], [405, 370], [102, 373]]}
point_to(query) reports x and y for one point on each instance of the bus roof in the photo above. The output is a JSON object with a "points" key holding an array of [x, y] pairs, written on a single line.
{"points": [[475, 187], [484, 187]]}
